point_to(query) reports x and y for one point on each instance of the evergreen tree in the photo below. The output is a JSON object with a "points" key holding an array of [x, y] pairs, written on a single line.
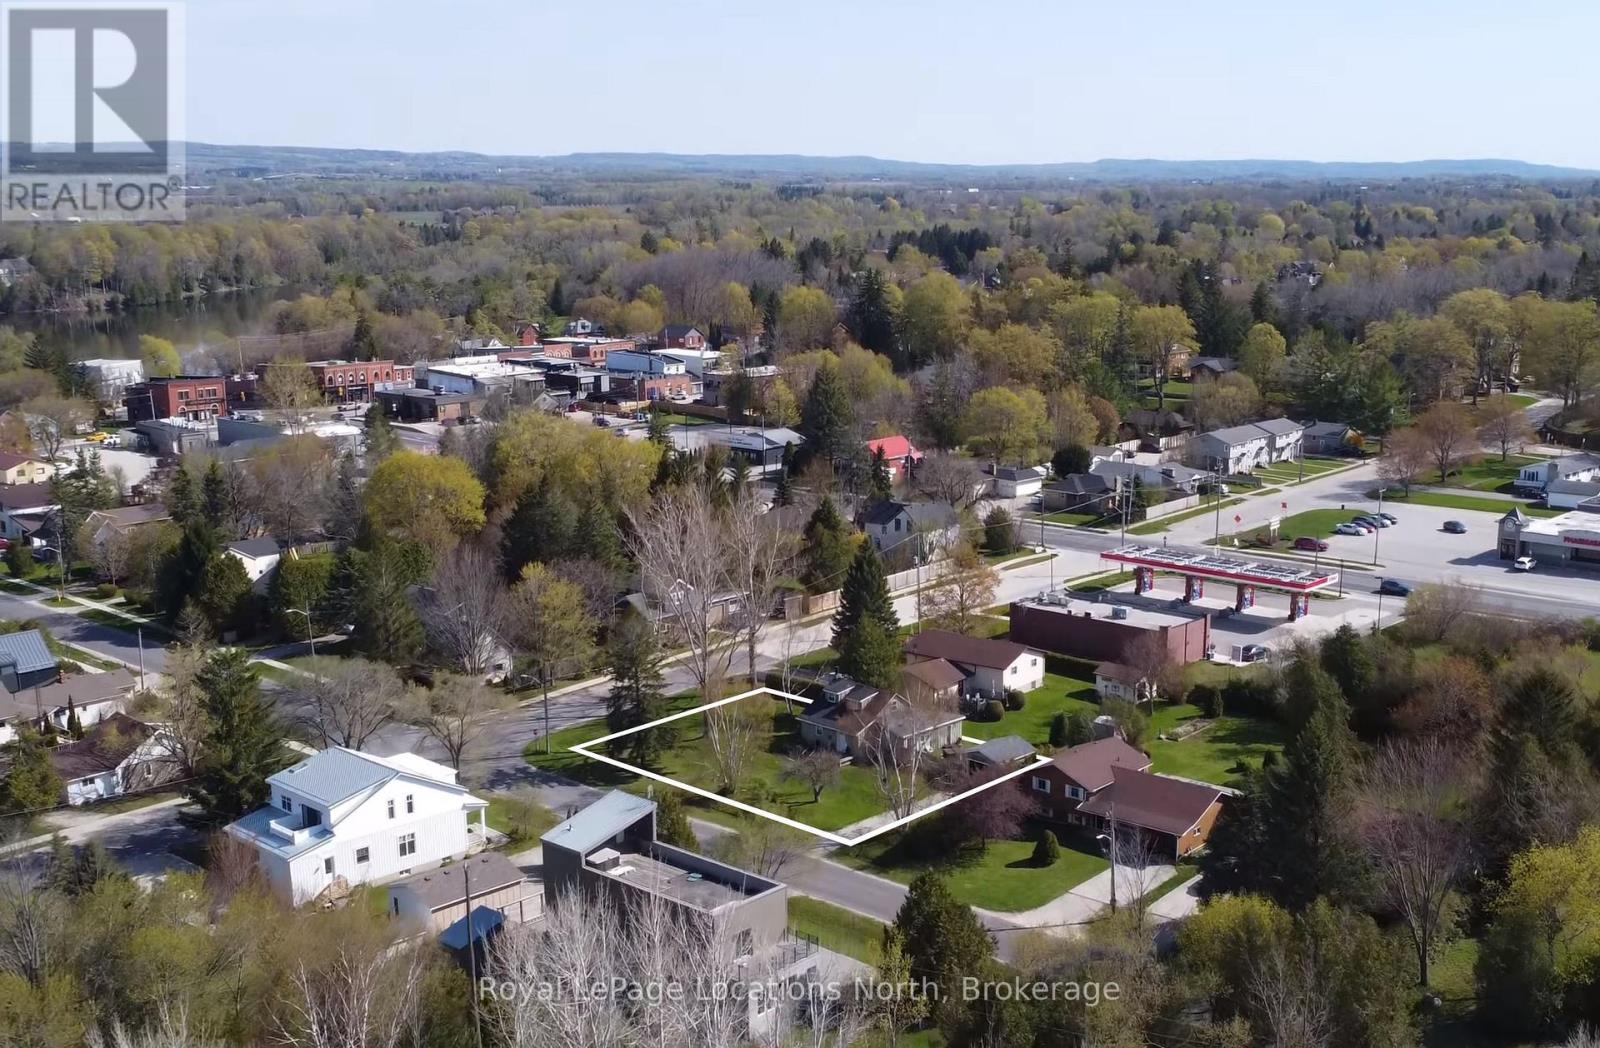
{"points": [[181, 500], [182, 569], [542, 527], [381, 441], [1543, 706], [739, 483], [672, 822], [74, 725], [387, 626], [344, 503], [19, 558], [1263, 309], [602, 534], [1585, 281], [827, 548], [558, 299], [870, 317], [864, 596], [1118, 360], [1080, 729], [782, 495], [637, 695], [363, 341], [660, 432], [999, 531], [224, 594], [32, 783], [870, 653], [1306, 811], [217, 502], [943, 940], [826, 416], [880, 486], [1047, 850], [942, 407], [243, 743], [1347, 658]]}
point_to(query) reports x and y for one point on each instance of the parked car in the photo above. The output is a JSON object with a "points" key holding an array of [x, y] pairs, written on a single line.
{"points": [[1394, 588], [1390, 517], [1455, 527], [1362, 527], [1380, 522], [1252, 652], [1523, 564], [1308, 543], [1349, 529]]}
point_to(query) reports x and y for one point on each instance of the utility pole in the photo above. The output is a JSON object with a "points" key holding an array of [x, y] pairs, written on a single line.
{"points": [[140, 632]]}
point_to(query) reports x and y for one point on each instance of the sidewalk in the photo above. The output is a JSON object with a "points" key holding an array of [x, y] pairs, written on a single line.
{"points": [[86, 828]]}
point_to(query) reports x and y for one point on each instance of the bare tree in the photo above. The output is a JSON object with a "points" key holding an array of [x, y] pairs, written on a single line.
{"points": [[760, 557], [1435, 608], [1410, 822], [1288, 997], [1151, 659], [52, 420], [1503, 424], [357, 994], [816, 769], [290, 391], [899, 756], [679, 542], [1137, 868], [454, 712], [464, 611], [735, 731], [348, 701], [1446, 429], [766, 848], [949, 479], [963, 592], [32, 927], [286, 488], [111, 554], [1405, 458], [169, 1030]]}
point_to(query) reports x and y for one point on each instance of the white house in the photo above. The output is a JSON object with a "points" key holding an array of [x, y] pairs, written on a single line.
{"points": [[1239, 449], [1112, 680], [260, 558], [109, 376], [1018, 481], [1537, 478], [347, 817], [118, 755], [991, 667], [910, 530], [1570, 494]]}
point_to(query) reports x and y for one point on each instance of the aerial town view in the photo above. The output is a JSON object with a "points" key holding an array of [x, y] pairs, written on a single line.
{"points": [[713, 526]]}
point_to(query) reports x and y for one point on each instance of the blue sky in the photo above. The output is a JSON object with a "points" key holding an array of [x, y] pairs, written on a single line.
{"points": [[1008, 81]]}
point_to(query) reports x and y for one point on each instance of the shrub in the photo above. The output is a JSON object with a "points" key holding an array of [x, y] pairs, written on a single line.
{"points": [[993, 710], [1058, 730], [107, 591], [1207, 698], [1047, 851], [68, 667], [1249, 695], [999, 533], [1015, 700]]}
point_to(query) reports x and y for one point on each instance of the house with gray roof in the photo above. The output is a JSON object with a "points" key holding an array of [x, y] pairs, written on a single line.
{"points": [[26, 661], [344, 817], [436, 899], [912, 532], [1240, 449]]}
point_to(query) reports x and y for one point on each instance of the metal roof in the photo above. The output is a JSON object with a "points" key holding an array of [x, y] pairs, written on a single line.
{"points": [[1007, 749], [333, 775], [265, 546], [26, 649], [600, 821], [1207, 564], [257, 829]]}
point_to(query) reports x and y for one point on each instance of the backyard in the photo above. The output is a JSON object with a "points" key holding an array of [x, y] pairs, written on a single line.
{"points": [[1488, 474], [690, 760], [1060, 694], [1214, 754], [1003, 878]]}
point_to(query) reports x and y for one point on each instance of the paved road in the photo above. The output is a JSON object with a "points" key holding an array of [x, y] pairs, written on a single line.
{"points": [[121, 645]]}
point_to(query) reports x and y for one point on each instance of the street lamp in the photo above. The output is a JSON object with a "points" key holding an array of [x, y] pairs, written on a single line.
{"points": [[310, 639]]}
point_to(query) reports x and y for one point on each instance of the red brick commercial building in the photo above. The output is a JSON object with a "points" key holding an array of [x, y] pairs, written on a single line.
{"points": [[1105, 630], [191, 397], [343, 381]]}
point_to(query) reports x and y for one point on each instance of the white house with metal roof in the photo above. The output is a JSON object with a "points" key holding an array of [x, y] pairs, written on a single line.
{"points": [[352, 817]]}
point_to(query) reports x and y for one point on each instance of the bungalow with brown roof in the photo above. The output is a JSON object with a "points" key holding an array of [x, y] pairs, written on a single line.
{"points": [[857, 718], [23, 469], [118, 755], [1077, 773], [991, 667], [1175, 815]]}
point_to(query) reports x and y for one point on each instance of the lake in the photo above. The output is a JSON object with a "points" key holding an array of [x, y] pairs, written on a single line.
{"points": [[188, 325]]}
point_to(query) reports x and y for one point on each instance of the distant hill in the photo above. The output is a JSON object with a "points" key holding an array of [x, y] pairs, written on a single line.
{"points": [[279, 160]]}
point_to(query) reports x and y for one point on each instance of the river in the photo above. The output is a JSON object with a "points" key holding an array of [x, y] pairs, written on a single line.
{"points": [[189, 325]]}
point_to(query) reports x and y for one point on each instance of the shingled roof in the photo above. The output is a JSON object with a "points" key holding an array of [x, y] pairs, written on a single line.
{"points": [[959, 648], [1152, 802]]}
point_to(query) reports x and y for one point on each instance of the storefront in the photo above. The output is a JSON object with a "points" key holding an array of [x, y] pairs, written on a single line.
{"points": [[1571, 540]]}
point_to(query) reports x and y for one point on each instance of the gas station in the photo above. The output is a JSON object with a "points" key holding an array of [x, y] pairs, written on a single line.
{"points": [[1246, 576]]}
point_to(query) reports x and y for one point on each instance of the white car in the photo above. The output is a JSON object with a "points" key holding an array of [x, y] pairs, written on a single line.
{"points": [[1349, 529], [1523, 564]]}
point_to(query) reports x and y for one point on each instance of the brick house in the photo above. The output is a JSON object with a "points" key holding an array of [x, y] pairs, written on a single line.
{"points": [[1091, 785], [344, 380], [682, 336], [192, 397]]}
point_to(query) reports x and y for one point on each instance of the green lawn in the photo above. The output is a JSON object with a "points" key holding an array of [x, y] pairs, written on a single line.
{"points": [[1315, 523], [499, 816], [131, 802], [838, 929], [1490, 474], [1003, 879], [1213, 754], [1075, 519], [1109, 580], [853, 798], [1445, 500], [1059, 695], [1155, 527]]}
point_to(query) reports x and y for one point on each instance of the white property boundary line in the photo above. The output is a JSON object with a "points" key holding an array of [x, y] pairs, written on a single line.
{"points": [[833, 838]]}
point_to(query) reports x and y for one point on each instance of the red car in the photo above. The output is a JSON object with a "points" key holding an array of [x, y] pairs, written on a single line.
{"points": [[1311, 544]]}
